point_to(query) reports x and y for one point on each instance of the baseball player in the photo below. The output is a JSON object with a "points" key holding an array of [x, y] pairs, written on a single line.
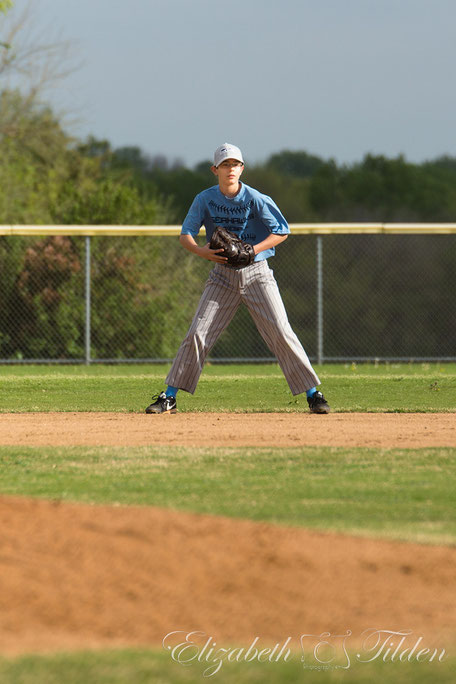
{"points": [[256, 219]]}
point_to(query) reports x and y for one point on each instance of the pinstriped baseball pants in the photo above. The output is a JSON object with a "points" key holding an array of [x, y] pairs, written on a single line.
{"points": [[226, 288]]}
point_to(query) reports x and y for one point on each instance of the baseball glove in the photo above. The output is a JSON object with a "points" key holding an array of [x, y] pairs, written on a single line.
{"points": [[238, 252]]}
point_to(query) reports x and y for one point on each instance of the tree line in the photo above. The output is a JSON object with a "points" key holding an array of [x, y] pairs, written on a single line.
{"points": [[309, 188]]}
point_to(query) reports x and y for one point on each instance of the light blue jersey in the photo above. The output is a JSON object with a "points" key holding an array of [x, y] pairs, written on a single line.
{"points": [[251, 215]]}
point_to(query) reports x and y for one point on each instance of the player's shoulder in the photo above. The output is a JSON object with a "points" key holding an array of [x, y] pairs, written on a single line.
{"points": [[256, 195]]}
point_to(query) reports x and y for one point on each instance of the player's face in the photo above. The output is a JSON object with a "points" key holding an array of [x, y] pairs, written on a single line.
{"points": [[229, 171]]}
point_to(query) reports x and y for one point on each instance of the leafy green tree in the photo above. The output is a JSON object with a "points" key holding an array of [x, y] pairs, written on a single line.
{"points": [[291, 193], [299, 164], [381, 189], [42, 312], [46, 178], [5, 5], [445, 162], [33, 159]]}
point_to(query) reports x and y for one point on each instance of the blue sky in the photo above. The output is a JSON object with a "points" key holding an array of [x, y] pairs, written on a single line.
{"points": [[338, 78]]}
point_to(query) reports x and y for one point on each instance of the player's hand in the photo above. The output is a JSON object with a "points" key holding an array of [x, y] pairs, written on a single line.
{"points": [[212, 254]]}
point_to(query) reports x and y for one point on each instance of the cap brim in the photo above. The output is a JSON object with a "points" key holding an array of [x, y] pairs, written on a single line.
{"points": [[226, 158]]}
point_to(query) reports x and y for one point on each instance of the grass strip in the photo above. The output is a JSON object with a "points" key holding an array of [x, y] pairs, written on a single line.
{"points": [[210, 369], [156, 667], [406, 494], [240, 388]]}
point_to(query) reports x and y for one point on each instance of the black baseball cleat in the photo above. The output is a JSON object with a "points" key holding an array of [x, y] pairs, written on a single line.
{"points": [[163, 404], [318, 404]]}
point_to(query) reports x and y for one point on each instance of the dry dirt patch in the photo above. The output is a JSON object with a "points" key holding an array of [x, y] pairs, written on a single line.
{"points": [[229, 429], [76, 576]]}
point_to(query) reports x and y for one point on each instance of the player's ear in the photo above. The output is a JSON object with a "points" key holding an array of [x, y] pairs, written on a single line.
{"points": [[214, 170]]}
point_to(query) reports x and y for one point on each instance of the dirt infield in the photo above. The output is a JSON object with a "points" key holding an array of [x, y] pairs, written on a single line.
{"points": [[228, 429], [79, 576], [87, 576]]}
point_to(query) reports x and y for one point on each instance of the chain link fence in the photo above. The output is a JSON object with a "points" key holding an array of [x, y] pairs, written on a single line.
{"points": [[108, 299]]}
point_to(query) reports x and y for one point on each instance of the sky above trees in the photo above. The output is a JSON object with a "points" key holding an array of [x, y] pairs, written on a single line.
{"points": [[338, 79]]}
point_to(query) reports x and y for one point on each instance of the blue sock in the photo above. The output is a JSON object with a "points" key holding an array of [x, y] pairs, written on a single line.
{"points": [[311, 392], [171, 391]]}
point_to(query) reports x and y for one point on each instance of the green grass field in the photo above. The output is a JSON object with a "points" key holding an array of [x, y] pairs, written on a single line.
{"points": [[404, 494], [240, 388], [152, 667]]}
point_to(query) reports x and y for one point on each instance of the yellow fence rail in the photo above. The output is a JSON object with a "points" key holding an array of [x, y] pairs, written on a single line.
{"points": [[296, 229]]}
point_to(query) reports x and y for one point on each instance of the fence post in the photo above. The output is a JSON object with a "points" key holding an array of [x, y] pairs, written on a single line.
{"points": [[87, 299], [320, 356]]}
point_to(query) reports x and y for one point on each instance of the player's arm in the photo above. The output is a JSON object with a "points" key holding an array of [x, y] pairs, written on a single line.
{"points": [[205, 252], [270, 214], [271, 241], [190, 227]]}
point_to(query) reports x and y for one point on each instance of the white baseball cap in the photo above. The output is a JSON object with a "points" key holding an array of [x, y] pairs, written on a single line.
{"points": [[227, 151]]}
